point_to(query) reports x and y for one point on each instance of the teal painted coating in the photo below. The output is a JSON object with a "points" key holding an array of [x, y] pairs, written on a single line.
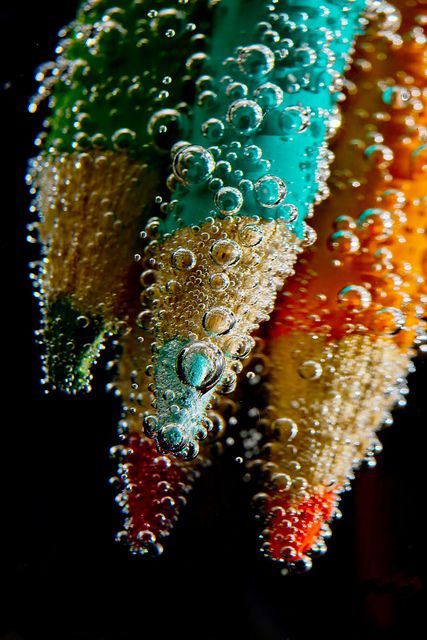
{"points": [[301, 50]]}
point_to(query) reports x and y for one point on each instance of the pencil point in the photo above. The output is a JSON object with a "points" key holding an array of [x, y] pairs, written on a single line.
{"points": [[73, 342]]}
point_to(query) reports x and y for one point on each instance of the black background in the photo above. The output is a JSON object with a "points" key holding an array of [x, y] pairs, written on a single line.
{"points": [[65, 578]]}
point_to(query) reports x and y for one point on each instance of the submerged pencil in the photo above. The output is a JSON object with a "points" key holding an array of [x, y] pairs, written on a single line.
{"points": [[249, 174], [340, 343], [152, 488], [119, 95]]}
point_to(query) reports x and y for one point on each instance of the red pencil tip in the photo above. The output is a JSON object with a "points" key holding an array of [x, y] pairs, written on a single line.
{"points": [[154, 492], [293, 530]]}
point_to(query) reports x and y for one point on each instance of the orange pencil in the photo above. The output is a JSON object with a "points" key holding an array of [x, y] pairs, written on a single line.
{"points": [[342, 337]]}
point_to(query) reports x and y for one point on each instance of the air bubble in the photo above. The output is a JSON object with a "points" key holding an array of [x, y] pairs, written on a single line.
{"points": [[309, 235], [239, 346], [310, 370], [245, 116], [201, 365], [269, 96], [193, 165], [168, 23], [218, 321], [287, 428], [183, 259], [294, 120], [389, 321], [379, 155], [123, 139], [397, 97], [270, 191], [165, 127], [171, 438], [219, 281], [250, 235], [144, 319], [343, 242], [229, 201], [256, 60], [213, 129], [378, 223], [225, 253], [354, 298]]}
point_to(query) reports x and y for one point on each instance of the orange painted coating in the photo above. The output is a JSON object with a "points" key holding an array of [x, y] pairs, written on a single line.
{"points": [[381, 164]]}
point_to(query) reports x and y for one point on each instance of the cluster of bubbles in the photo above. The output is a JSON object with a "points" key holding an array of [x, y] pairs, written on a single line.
{"points": [[117, 82], [102, 100], [344, 329], [228, 226], [208, 285], [202, 328], [284, 86], [313, 436], [152, 490], [229, 173], [82, 299], [118, 101], [376, 272]]}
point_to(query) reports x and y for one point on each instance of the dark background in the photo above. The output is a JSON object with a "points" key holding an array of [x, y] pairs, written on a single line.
{"points": [[64, 577]]}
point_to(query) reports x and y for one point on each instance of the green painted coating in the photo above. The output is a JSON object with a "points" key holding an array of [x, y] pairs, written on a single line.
{"points": [[117, 61], [293, 156], [116, 55]]}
